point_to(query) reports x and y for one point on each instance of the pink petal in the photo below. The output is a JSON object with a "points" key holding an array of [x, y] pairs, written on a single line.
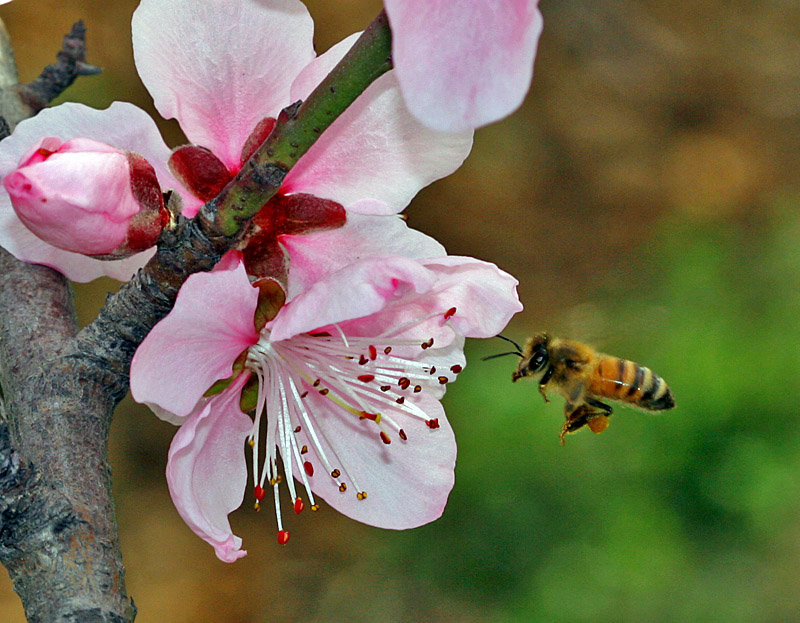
{"points": [[220, 66], [484, 296], [463, 64], [316, 255], [207, 471], [374, 150], [120, 125], [359, 289], [195, 344], [407, 482]]}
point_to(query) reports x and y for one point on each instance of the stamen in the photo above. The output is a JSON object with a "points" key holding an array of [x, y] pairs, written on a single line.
{"points": [[359, 376]]}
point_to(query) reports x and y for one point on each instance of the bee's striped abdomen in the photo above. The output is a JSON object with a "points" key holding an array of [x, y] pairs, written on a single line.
{"points": [[621, 379]]}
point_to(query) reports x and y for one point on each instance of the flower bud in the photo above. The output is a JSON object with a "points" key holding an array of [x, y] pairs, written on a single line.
{"points": [[87, 197]]}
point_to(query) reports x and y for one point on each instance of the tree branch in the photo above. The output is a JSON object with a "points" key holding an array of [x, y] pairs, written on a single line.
{"points": [[58, 534]]}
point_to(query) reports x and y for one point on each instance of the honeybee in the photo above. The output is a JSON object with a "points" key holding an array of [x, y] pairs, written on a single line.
{"points": [[583, 376]]}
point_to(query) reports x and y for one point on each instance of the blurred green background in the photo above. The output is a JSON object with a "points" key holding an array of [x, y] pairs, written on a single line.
{"points": [[646, 197]]}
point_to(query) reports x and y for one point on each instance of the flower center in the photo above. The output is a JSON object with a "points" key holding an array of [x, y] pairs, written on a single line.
{"points": [[377, 380]]}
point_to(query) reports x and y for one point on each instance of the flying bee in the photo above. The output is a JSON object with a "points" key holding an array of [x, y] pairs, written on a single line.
{"points": [[583, 376]]}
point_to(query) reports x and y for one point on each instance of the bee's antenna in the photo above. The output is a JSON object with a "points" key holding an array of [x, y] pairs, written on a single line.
{"points": [[517, 346], [511, 352]]}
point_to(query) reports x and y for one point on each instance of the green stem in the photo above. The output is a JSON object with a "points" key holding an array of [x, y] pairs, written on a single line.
{"points": [[299, 127]]}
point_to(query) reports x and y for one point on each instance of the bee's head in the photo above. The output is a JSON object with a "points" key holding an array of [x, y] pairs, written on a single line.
{"points": [[534, 358]]}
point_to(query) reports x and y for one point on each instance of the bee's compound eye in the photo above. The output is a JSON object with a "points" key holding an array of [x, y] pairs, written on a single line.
{"points": [[538, 360]]}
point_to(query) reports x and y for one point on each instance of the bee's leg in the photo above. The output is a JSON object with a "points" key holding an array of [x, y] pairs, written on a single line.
{"points": [[544, 380], [575, 419]]}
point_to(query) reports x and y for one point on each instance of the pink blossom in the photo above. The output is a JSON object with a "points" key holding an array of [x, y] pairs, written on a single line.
{"points": [[120, 125], [463, 64], [348, 378], [121, 212], [226, 87]]}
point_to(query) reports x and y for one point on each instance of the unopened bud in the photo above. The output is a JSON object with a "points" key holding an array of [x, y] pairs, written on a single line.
{"points": [[87, 197]]}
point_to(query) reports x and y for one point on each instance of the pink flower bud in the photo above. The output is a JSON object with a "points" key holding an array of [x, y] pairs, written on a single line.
{"points": [[87, 197]]}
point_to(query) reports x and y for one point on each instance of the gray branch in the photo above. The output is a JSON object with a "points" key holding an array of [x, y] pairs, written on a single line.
{"points": [[58, 533]]}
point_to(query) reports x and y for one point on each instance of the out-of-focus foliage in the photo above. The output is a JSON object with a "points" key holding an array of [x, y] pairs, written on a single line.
{"points": [[646, 197], [687, 516]]}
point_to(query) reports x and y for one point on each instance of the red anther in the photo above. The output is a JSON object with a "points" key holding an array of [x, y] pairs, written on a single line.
{"points": [[308, 466], [401, 400], [317, 382], [336, 473], [385, 438], [385, 388], [342, 487], [434, 423], [362, 360], [387, 350], [403, 435], [259, 492], [403, 382], [456, 369], [369, 416], [298, 506], [304, 394], [297, 429], [432, 371], [283, 537], [361, 495], [366, 378], [324, 391], [373, 352], [304, 450], [429, 342], [424, 345], [450, 313], [443, 380], [417, 389]]}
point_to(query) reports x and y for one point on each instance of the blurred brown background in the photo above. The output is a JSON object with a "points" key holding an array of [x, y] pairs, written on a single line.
{"points": [[645, 196]]}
